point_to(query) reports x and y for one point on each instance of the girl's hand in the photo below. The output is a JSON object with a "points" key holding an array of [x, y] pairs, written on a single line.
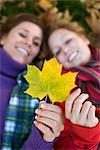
{"points": [[80, 112], [49, 120]]}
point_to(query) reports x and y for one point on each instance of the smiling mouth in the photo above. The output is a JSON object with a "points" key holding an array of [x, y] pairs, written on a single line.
{"points": [[72, 56], [23, 51]]}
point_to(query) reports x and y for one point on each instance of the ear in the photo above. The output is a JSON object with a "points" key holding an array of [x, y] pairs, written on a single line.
{"points": [[2, 40], [86, 40]]}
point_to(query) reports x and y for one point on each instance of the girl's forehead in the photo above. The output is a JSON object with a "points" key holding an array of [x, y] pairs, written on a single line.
{"points": [[61, 33], [28, 27]]}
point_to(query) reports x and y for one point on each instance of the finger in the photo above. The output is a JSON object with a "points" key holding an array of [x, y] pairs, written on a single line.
{"points": [[48, 114], [47, 133], [56, 128], [69, 102], [46, 121], [91, 114], [77, 106], [92, 119], [50, 107], [84, 112]]}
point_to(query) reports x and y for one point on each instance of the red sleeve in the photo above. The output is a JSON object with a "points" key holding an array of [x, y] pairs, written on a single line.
{"points": [[81, 137], [86, 137], [89, 135]]}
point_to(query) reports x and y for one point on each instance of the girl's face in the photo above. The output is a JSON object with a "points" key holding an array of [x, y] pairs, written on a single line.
{"points": [[69, 48], [23, 42]]}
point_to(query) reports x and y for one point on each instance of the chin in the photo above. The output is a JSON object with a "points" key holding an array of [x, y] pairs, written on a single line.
{"points": [[22, 62]]}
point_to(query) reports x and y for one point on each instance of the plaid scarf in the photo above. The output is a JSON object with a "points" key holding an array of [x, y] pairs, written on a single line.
{"points": [[88, 78], [20, 115]]}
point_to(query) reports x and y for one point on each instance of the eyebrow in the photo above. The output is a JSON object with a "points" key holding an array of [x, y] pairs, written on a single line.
{"points": [[68, 39], [63, 36], [37, 38]]}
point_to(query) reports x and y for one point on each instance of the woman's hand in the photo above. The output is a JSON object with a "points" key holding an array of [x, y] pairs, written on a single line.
{"points": [[49, 120], [80, 112]]}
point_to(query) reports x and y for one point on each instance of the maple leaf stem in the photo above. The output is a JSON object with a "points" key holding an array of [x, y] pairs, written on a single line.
{"points": [[46, 97]]}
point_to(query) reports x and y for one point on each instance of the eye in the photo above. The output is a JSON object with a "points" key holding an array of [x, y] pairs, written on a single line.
{"points": [[22, 35], [37, 44], [57, 53], [68, 41]]}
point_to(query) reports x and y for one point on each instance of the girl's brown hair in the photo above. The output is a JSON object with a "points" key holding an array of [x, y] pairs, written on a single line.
{"points": [[13, 21]]}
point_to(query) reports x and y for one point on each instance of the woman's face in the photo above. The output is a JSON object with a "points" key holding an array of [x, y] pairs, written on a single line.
{"points": [[23, 42], [69, 48]]}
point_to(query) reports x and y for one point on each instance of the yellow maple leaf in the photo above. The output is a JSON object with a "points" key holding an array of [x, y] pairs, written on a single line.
{"points": [[49, 81]]}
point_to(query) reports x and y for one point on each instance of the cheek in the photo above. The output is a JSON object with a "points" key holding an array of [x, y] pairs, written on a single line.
{"points": [[62, 57], [35, 51], [10, 42]]}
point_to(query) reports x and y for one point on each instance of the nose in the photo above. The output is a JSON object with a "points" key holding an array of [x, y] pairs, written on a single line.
{"points": [[64, 49], [29, 41]]}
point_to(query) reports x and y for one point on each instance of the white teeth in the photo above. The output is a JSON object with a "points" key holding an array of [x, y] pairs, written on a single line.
{"points": [[72, 56], [23, 51]]}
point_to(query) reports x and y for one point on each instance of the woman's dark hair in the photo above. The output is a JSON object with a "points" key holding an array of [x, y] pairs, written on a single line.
{"points": [[13, 21]]}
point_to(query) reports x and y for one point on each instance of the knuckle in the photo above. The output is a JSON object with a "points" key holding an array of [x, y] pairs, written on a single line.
{"points": [[38, 118], [89, 124], [47, 131], [55, 124], [77, 102], [93, 122], [87, 103], [61, 127], [52, 137], [59, 109], [57, 134], [49, 137], [58, 117], [81, 122], [68, 102], [93, 107], [84, 96]]}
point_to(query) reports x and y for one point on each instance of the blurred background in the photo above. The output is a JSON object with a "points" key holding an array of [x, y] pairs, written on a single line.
{"points": [[85, 12]]}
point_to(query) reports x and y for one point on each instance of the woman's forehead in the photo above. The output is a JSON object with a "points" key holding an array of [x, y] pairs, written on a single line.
{"points": [[61, 33]]}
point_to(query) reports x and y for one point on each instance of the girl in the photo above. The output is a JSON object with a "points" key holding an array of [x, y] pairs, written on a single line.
{"points": [[21, 39], [70, 46]]}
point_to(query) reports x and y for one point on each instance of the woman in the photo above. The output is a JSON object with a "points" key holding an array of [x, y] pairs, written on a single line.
{"points": [[70, 46], [21, 39]]}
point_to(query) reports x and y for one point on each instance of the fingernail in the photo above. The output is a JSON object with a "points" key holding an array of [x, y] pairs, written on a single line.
{"points": [[87, 95], [42, 105], [36, 111], [36, 117], [79, 90], [35, 122]]}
